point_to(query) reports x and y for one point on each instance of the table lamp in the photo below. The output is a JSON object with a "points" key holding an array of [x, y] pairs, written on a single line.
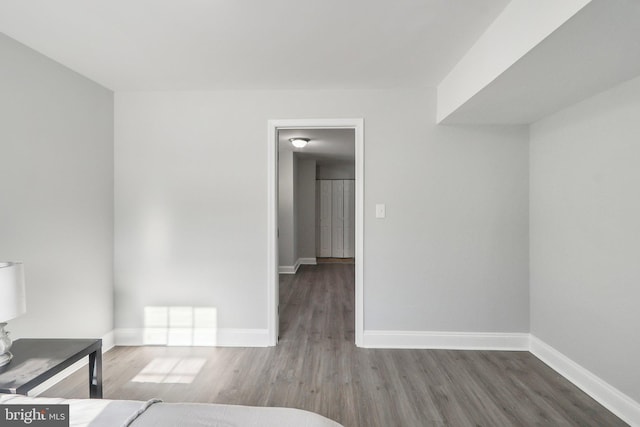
{"points": [[13, 303]]}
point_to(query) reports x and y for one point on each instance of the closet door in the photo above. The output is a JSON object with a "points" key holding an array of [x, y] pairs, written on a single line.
{"points": [[337, 219], [325, 218], [349, 219]]}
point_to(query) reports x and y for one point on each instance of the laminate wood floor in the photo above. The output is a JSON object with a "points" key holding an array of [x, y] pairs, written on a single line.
{"points": [[317, 367]]}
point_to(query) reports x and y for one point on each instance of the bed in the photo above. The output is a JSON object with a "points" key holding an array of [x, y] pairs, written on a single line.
{"points": [[124, 413]]}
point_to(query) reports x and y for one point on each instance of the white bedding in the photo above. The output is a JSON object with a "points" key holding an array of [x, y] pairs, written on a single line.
{"points": [[115, 413]]}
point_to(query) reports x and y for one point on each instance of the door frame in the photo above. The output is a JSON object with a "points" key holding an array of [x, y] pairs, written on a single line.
{"points": [[272, 216]]}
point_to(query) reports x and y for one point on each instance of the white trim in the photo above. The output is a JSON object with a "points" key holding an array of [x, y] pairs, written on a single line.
{"points": [[272, 233], [447, 340], [243, 338], [107, 344], [272, 216], [293, 269], [108, 341], [224, 337], [288, 269], [359, 254], [604, 393]]}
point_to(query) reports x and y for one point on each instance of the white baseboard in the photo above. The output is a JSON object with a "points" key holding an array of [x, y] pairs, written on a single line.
{"points": [[288, 269], [108, 341], [293, 269], [223, 338], [107, 344], [129, 337], [243, 338], [446, 340], [604, 393]]}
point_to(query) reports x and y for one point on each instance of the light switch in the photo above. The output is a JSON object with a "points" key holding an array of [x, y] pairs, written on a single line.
{"points": [[380, 211]]}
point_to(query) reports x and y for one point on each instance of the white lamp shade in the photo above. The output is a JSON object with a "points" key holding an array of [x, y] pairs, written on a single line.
{"points": [[13, 298]]}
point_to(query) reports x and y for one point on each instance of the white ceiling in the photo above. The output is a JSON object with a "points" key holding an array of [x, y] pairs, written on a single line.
{"points": [[252, 44], [326, 146]]}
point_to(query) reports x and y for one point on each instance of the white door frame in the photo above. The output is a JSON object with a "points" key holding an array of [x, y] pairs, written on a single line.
{"points": [[272, 216]]}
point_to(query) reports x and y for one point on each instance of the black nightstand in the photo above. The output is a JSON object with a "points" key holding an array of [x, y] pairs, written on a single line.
{"points": [[37, 360]]}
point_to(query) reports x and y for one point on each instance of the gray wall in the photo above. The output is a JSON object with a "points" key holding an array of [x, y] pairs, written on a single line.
{"points": [[585, 234], [56, 197], [287, 183], [452, 254], [306, 208], [337, 170]]}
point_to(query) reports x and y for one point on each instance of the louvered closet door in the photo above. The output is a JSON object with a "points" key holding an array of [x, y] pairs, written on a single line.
{"points": [[349, 219], [325, 218], [337, 219]]}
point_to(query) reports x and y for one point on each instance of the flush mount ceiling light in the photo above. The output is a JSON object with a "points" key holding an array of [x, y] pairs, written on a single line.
{"points": [[299, 142]]}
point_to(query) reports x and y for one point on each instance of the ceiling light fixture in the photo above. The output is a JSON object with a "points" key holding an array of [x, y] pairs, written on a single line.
{"points": [[299, 142]]}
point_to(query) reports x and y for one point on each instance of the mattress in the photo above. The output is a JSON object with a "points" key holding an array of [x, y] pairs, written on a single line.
{"points": [[114, 413]]}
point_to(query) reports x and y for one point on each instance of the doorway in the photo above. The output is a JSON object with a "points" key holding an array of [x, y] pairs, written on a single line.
{"points": [[274, 128]]}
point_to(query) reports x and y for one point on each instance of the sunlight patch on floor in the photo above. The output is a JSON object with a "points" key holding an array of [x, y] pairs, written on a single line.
{"points": [[170, 370]]}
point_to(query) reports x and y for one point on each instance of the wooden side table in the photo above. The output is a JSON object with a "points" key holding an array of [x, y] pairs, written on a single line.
{"points": [[37, 360]]}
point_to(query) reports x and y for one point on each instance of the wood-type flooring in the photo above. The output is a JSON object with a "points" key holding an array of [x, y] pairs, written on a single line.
{"points": [[317, 367]]}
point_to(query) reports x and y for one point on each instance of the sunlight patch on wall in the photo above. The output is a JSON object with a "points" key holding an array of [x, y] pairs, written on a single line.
{"points": [[180, 326], [170, 370]]}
